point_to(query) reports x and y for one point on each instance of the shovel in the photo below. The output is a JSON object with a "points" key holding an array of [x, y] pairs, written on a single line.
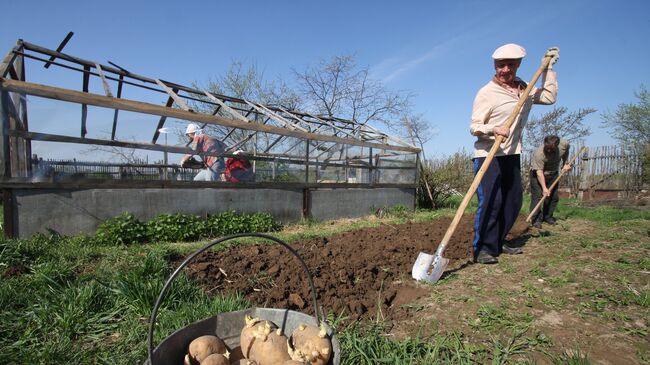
{"points": [[430, 267], [557, 180]]}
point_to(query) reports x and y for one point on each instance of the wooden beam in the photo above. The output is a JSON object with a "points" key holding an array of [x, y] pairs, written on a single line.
{"points": [[147, 108], [27, 183], [107, 88], [5, 151], [230, 110], [121, 71], [7, 62], [119, 95], [59, 48], [22, 103], [285, 120], [13, 148], [268, 113], [95, 141], [174, 96], [392, 138], [174, 149]]}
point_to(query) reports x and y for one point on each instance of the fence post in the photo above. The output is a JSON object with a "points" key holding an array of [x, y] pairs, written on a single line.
{"points": [[306, 161], [584, 175]]}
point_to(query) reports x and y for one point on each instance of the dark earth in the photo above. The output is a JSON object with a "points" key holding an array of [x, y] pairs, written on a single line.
{"points": [[360, 274]]}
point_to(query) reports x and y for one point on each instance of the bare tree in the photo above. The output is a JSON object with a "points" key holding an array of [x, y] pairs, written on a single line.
{"points": [[340, 88], [416, 129], [248, 83], [559, 122]]}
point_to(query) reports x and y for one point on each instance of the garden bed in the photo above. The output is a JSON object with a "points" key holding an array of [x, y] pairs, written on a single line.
{"points": [[362, 274]]}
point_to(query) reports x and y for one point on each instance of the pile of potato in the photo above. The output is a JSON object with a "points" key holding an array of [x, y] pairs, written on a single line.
{"points": [[262, 343]]}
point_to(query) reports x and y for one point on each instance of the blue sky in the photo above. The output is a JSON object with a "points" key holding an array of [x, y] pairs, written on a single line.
{"points": [[439, 50]]}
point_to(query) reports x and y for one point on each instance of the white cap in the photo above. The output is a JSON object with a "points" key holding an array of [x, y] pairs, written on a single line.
{"points": [[192, 128], [509, 51], [238, 152]]}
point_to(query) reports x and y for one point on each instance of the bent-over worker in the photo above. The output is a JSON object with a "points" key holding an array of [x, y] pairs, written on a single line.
{"points": [[202, 144], [239, 168], [500, 192], [544, 169]]}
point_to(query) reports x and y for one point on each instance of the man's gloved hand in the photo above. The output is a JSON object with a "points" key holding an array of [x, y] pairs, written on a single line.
{"points": [[192, 163], [553, 52]]}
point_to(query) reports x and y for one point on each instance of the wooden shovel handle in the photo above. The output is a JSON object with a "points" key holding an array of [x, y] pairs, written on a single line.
{"points": [[497, 142], [555, 182]]}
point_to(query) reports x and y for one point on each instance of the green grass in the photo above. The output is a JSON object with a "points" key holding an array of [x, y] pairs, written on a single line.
{"points": [[569, 208], [73, 301], [79, 304]]}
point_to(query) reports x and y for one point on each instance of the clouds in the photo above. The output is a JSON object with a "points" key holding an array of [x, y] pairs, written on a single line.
{"points": [[394, 67]]}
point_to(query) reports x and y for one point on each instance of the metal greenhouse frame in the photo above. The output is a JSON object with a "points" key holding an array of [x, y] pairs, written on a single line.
{"points": [[319, 152]]}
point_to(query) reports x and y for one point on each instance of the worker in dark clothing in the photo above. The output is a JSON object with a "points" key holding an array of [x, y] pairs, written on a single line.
{"points": [[544, 169]]}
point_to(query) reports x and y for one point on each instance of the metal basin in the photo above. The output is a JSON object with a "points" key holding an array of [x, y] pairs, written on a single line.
{"points": [[228, 326]]}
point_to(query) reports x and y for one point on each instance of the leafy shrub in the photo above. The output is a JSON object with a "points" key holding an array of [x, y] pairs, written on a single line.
{"points": [[126, 229], [175, 228], [261, 222], [444, 178], [122, 230], [230, 222], [396, 211]]}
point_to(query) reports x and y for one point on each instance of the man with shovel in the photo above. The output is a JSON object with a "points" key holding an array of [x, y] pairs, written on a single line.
{"points": [[500, 192], [544, 168]]}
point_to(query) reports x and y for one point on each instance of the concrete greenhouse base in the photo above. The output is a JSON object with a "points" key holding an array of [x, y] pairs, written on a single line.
{"points": [[71, 212]]}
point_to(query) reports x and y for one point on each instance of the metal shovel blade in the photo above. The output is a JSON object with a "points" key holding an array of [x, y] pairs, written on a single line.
{"points": [[429, 267]]}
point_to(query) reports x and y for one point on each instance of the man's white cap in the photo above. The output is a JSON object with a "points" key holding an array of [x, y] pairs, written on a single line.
{"points": [[509, 51], [192, 128], [238, 152]]}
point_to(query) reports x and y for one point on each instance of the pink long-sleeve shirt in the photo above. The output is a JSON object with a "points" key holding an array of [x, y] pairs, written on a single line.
{"points": [[494, 104]]}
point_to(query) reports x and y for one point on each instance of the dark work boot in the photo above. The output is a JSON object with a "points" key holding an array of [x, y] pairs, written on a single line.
{"points": [[511, 250], [550, 220], [485, 258]]}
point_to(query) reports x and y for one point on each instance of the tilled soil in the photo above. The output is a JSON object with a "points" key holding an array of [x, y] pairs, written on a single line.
{"points": [[363, 273]]}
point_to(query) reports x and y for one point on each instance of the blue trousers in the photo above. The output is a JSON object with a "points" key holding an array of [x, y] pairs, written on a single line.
{"points": [[210, 173], [500, 197]]}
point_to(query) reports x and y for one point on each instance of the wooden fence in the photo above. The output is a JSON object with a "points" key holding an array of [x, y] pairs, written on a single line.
{"points": [[606, 171]]}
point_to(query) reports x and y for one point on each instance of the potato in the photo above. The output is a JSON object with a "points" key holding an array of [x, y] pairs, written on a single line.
{"points": [[215, 359], [205, 346], [269, 349], [254, 327], [310, 344]]}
